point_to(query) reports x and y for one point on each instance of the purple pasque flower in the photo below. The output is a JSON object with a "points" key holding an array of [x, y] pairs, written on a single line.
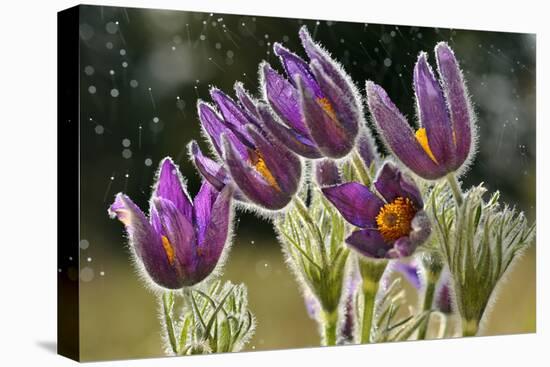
{"points": [[327, 172], [318, 105], [445, 140], [392, 225], [181, 242], [265, 172]]}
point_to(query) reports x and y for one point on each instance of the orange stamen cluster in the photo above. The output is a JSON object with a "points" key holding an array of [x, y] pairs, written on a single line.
{"points": [[168, 249], [327, 107], [422, 138], [258, 162], [394, 219]]}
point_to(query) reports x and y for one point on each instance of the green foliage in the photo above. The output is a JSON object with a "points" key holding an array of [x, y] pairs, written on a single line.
{"points": [[479, 241], [216, 319]]}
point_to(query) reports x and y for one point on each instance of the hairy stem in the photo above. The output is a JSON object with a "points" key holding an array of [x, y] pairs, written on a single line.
{"points": [[427, 306], [371, 273], [370, 289], [469, 327], [330, 324], [455, 187], [167, 309]]}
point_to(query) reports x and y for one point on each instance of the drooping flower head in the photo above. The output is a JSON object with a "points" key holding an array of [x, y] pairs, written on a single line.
{"points": [[392, 225], [181, 242], [317, 103], [444, 143], [265, 172]]}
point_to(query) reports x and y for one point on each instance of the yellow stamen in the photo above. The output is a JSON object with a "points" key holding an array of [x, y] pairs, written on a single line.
{"points": [[422, 138], [168, 249], [259, 163], [394, 219], [327, 107]]}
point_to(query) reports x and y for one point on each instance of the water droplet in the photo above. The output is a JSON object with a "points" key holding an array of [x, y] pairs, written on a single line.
{"points": [[99, 129], [126, 154], [84, 244], [87, 274], [92, 89], [133, 83], [148, 162], [126, 142], [89, 70], [114, 92]]}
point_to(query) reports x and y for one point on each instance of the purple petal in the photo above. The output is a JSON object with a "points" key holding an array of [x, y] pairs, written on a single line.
{"points": [[170, 187], [246, 101], [284, 166], [357, 204], [346, 108], [367, 147], [211, 170], [231, 112], [401, 248], [180, 233], [327, 173], [368, 242], [334, 71], [443, 295], [216, 230], [295, 67], [331, 138], [391, 183], [202, 207], [251, 183], [457, 99], [300, 145], [409, 271], [433, 113], [421, 228], [398, 135], [145, 241], [284, 99], [215, 128]]}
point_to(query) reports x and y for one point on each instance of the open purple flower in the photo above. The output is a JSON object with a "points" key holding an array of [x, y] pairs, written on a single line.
{"points": [[318, 104], [181, 242], [391, 226], [444, 141], [265, 172]]}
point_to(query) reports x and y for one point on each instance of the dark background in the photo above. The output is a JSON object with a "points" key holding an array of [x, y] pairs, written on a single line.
{"points": [[142, 72]]}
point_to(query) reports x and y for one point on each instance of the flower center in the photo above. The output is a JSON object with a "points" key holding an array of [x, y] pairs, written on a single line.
{"points": [[327, 107], [168, 249], [422, 138], [394, 219], [258, 162]]}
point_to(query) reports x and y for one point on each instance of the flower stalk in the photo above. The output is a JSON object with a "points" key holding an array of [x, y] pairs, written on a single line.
{"points": [[371, 273], [330, 324], [455, 188]]}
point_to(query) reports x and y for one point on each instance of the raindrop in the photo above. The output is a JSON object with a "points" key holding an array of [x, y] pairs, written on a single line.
{"points": [[99, 129], [155, 119], [91, 89], [202, 37], [84, 244], [218, 45], [114, 92], [111, 27], [133, 83], [89, 70], [126, 142], [89, 259], [230, 54], [109, 45], [87, 274], [112, 72], [148, 162], [122, 52], [86, 31], [102, 273], [124, 64], [126, 154], [387, 62]]}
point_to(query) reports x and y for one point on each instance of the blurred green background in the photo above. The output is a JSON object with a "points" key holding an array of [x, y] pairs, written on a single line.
{"points": [[141, 74]]}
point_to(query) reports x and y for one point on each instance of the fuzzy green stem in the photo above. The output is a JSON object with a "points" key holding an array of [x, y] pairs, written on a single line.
{"points": [[370, 289], [469, 327], [427, 306], [360, 168], [453, 184], [167, 309], [371, 273], [329, 323]]}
